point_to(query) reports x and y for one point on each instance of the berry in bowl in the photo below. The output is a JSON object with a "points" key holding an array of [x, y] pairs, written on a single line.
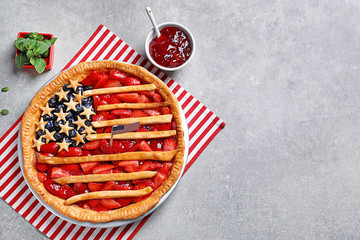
{"points": [[173, 50]]}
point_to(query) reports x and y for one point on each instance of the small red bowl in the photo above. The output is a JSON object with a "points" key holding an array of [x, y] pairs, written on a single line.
{"points": [[49, 61]]}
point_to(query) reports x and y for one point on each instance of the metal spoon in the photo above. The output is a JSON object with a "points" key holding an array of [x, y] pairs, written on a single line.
{"points": [[152, 19]]}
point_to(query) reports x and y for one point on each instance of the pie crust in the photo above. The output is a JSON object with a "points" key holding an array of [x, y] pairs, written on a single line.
{"points": [[74, 76]]}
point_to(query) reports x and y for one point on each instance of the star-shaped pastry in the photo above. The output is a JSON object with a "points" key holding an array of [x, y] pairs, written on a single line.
{"points": [[79, 97], [40, 125], [65, 128], [46, 110], [80, 122], [79, 138], [89, 130], [62, 95], [74, 84], [64, 145], [71, 105], [61, 115], [49, 136], [38, 143], [87, 112]]}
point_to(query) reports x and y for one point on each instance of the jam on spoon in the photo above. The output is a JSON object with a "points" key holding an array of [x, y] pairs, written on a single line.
{"points": [[172, 48]]}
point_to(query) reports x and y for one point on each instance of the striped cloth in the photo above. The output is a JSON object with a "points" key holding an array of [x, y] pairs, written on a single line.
{"points": [[203, 127]]}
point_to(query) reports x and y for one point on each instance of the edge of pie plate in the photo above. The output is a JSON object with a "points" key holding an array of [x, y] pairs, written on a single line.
{"points": [[116, 223]]}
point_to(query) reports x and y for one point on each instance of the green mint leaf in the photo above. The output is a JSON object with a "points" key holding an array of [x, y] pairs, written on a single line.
{"points": [[4, 112], [47, 42], [53, 40], [32, 61], [40, 48], [45, 54], [29, 54], [5, 89], [40, 37], [40, 65], [29, 43], [33, 35], [19, 43], [21, 60]]}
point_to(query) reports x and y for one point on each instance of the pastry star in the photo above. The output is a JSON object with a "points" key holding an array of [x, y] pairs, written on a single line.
{"points": [[80, 122], [61, 115], [64, 145], [89, 130], [65, 128], [40, 125], [62, 95], [74, 84], [71, 105], [46, 110], [79, 138], [49, 136], [79, 97], [87, 112], [38, 143]]}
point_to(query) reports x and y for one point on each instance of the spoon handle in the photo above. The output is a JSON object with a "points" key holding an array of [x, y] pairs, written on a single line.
{"points": [[152, 19]]}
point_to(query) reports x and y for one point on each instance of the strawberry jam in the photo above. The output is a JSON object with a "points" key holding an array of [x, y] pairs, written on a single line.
{"points": [[172, 49]]}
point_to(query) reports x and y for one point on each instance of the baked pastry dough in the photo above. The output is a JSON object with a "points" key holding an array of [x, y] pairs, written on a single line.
{"points": [[39, 108], [133, 135]]}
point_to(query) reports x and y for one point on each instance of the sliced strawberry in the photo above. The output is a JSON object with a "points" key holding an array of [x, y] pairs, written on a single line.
{"points": [[165, 126], [115, 74], [131, 169], [43, 167], [86, 206], [134, 146], [96, 152], [137, 181], [157, 98], [142, 129], [110, 203], [128, 97], [114, 100], [99, 130], [55, 189], [107, 115], [158, 179], [144, 146], [86, 153], [124, 201], [70, 167], [92, 78], [165, 167], [108, 186], [42, 177], [173, 125], [121, 112], [154, 127], [95, 186], [149, 183], [103, 79], [70, 191], [138, 187], [112, 83], [47, 154], [58, 173], [129, 81], [105, 97], [100, 208], [152, 112], [148, 93], [89, 166], [169, 144], [124, 186], [149, 166], [105, 146], [118, 147], [51, 147], [127, 163], [93, 202], [138, 113], [73, 152], [91, 145], [107, 130], [165, 110], [101, 168], [156, 144], [80, 188], [143, 99], [96, 100]]}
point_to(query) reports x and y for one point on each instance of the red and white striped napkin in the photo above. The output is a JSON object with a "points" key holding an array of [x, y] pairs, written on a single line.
{"points": [[203, 126]]}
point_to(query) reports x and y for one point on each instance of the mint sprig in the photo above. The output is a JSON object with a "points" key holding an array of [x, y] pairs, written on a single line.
{"points": [[33, 48]]}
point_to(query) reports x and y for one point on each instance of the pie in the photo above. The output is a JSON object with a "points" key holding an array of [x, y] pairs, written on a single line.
{"points": [[74, 162]]}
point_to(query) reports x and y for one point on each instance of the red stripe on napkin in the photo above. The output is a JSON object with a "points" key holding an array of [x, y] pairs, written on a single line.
{"points": [[203, 125]]}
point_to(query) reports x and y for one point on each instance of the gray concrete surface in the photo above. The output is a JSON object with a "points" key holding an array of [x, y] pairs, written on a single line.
{"points": [[284, 76]]}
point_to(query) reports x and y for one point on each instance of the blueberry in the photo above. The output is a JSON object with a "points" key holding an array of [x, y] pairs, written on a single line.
{"points": [[79, 108], [87, 88], [50, 126], [60, 106], [66, 88], [46, 117], [52, 102], [81, 130], [79, 89], [70, 116], [70, 96], [58, 137], [39, 133], [72, 133], [57, 123], [43, 140]]}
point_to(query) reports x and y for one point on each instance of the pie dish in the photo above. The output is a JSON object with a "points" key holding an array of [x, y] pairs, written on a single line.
{"points": [[68, 159]]}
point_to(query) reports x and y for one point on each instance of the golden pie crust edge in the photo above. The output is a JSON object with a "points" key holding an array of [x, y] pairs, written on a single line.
{"points": [[32, 115]]}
